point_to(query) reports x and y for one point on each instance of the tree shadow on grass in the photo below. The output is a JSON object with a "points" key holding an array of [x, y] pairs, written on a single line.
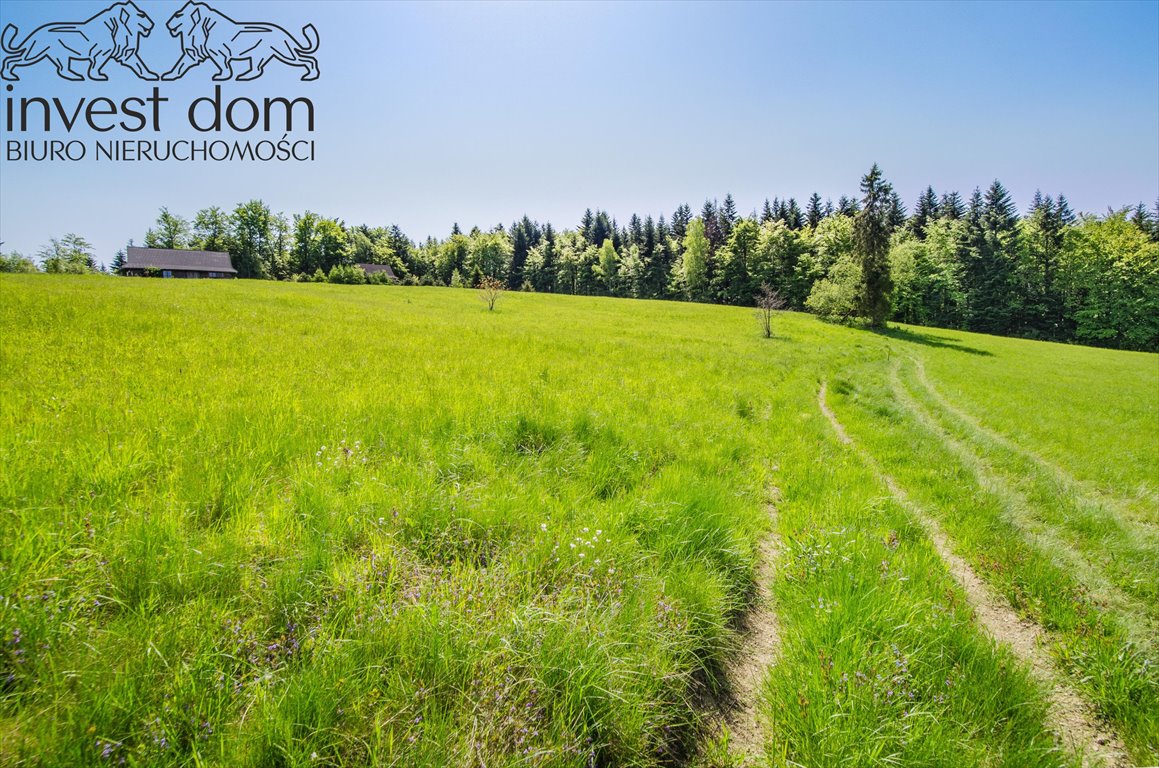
{"points": [[930, 340]]}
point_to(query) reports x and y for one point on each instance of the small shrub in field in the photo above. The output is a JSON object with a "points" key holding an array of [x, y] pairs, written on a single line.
{"points": [[768, 302], [489, 290]]}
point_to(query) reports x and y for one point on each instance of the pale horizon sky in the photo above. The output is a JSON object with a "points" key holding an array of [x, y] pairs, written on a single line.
{"points": [[435, 113]]}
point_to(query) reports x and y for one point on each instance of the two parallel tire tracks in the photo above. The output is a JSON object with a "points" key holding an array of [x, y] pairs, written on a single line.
{"points": [[1069, 716]]}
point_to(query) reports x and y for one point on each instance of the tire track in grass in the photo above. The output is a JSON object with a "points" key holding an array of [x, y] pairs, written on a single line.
{"points": [[760, 643], [1071, 719], [1088, 568], [1083, 489]]}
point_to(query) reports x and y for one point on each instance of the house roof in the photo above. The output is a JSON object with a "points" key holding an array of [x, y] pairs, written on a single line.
{"points": [[372, 268], [164, 258]]}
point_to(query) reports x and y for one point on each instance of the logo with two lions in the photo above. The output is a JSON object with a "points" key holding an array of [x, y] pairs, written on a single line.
{"points": [[114, 34]]}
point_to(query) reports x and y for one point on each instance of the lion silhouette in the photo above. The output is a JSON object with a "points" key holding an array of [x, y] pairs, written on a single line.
{"points": [[208, 34], [111, 35]]}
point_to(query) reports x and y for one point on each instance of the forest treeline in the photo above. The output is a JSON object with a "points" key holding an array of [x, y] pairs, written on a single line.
{"points": [[971, 263]]}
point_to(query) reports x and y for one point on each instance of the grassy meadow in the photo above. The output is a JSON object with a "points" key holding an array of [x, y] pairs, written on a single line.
{"points": [[269, 524]]}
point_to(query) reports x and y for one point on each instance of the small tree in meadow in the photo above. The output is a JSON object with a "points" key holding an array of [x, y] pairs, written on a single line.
{"points": [[768, 302], [489, 290]]}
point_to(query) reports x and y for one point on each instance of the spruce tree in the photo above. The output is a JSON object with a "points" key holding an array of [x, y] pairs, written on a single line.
{"points": [[871, 228], [991, 253], [726, 220], [635, 230], [711, 219], [728, 211], [813, 211], [1040, 302], [1141, 218], [680, 218], [895, 212], [766, 212], [847, 206], [525, 235], [793, 216], [951, 207], [925, 211]]}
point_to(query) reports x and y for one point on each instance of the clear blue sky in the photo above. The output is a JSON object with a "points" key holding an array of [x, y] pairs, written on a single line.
{"points": [[430, 114]]}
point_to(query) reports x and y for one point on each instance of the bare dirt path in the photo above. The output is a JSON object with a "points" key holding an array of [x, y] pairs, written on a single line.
{"points": [[737, 705], [1069, 716]]}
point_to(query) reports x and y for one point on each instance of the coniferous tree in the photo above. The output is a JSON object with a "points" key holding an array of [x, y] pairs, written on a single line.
{"points": [[951, 207], [766, 212], [1141, 218], [403, 249], [814, 212], [925, 211], [680, 219], [1064, 212], [519, 249], [726, 220], [871, 228], [635, 234], [728, 211], [119, 258], [710, 217], [992, 242], [829, 209], [794, 219], [648, 285], [660, 268], [895, 212], [586, 224], [847, 206], [1039, 301]]}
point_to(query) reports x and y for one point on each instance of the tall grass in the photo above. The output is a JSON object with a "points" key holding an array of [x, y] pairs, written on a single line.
{"points": [[266, 524]]}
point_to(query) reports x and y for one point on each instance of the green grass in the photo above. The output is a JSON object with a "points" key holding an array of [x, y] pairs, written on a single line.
{"points": [[272, 524]]}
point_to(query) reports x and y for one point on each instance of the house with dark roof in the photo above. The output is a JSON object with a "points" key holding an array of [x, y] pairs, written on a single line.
{"points": [[165, 262], [372, 269]]}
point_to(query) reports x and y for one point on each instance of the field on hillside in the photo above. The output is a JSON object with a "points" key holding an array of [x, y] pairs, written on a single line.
{"points": [[262, 524]]}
